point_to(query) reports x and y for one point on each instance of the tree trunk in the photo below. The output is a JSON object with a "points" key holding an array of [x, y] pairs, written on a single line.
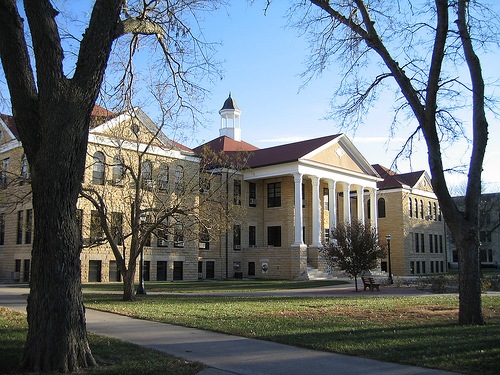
{"points": [[356, 283], [128, 285], [469, 278], [57, 336]]}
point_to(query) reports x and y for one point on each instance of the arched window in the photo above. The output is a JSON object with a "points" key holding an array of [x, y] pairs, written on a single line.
{"points": [[179, 178], [147, 171], [416, 209], [421, 209], [410, 207], [117, 170], [147, 175], [430, 211], [98, 169], [381, 207], [25, 170], [369, 211], [435, 212], [163, 176]]}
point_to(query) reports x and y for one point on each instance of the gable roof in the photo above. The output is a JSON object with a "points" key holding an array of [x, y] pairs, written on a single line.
{"points": [[11, 125], [287, 153], [162, 140], [393, 179], [226, 144]]}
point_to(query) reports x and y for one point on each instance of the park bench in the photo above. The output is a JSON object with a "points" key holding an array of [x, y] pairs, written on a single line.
{"points": [[369, 282]]}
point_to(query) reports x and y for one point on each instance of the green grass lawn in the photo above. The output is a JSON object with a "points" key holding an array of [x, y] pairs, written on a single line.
{"points": [[217, 286], [419, 331], [113, 356]]}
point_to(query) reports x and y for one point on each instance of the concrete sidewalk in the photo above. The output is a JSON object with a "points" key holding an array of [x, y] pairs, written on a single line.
{"points": [[224, 354]]}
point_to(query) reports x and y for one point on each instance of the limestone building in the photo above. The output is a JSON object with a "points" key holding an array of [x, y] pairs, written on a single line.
{"points": [[240, 211], [120, 145], [489, 232], [292, 194], [409, 212]]}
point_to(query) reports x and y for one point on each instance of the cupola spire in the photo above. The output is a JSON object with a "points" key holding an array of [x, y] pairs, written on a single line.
{"points": [[230, 120]]}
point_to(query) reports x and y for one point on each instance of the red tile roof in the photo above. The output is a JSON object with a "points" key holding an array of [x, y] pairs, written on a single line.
{"points": [[393, 179], [226, 144]]}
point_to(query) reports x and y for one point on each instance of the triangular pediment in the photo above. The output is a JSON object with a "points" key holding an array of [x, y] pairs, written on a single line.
{"points": [[135, 126], [424, 183], [7, 128], [341, 153]]}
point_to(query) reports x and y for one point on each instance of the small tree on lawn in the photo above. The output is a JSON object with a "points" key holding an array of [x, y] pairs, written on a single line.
{"points": [[353, 248]]}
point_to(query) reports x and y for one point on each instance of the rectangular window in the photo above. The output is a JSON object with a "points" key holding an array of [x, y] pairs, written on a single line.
{"points": [[4, 173], [117, 227], [114, 272], [161, 270], [236, 237], [442, 266], [441, 243], [95, 271], [418, 267], [162, 238], [29, 226], [237, 192], [412, 267], [26, 276], [274, 194], [179, 235], [252, 194], [251, 268], [2, 229], [146, 270], [423, 267], [327, 236], [17, 275], [96, 232], [204, 240], [178, 270], [436, 243], [326, 199], [432, 267], [210, 269], [274, 236], [417, 244], [20, 223], [431, 242], [422, 243], [252, 236]]}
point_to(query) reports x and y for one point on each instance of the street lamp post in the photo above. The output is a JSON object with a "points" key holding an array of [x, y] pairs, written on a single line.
{"points": [[140, 288], [388, 237]]}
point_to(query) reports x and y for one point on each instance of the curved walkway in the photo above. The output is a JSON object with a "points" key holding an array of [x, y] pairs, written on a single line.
{"points": [[226, 354]]}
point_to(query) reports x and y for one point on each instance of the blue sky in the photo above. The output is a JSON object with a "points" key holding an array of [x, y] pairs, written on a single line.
{"points": [[263, 61]]}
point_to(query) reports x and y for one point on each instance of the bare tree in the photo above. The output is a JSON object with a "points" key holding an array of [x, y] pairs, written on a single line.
{"points": [[420, 50], [52, 109], [152, 194], [353, 248]]}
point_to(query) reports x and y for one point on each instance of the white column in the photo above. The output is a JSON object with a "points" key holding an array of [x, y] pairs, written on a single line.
{"points": [[332, 196], [347, 203], [361, 204], [316, 217], [297, 177], [373, 208]]}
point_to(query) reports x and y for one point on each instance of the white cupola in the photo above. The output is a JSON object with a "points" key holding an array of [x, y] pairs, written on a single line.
{"points": [[230, 120]]}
